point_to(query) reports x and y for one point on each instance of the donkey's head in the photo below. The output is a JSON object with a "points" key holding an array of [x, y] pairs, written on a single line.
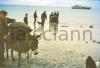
{"points": [[34, 43]]}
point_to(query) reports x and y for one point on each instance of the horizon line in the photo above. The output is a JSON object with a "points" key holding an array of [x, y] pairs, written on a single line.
{"points": [[31, 5]]}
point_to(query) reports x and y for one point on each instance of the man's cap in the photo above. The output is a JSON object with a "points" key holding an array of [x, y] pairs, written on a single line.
{"points": [[4, 12]]}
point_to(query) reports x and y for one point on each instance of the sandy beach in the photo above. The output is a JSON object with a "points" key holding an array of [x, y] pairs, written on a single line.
{"points": [[62, 54]]}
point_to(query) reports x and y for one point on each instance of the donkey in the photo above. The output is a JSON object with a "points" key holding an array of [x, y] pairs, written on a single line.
{"points": [[22, 46]]}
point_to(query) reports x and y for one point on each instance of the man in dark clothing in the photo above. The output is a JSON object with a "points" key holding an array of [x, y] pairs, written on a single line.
{"points": [[43, 18], [35, 17], [56, 17], [26, 19], [3, 33], [51, 20], [56, 20]]}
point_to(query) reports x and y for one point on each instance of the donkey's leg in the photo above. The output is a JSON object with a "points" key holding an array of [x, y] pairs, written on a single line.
{"points": [[28, 57], [12, 55], [7, 56], [28, 60], [19, 58]]}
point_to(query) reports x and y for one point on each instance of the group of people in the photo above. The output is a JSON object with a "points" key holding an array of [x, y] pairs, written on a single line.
{"points": [[53, 18], [35, 16]]}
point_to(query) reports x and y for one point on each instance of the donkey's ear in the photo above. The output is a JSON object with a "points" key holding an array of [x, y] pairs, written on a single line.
{"points": [[38, 35]]}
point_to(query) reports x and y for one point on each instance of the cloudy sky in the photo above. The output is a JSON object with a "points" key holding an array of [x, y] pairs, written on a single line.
{"points": [[49, 2]]}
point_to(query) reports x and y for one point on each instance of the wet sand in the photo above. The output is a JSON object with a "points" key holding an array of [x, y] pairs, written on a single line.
{"points": [[62, 54]]}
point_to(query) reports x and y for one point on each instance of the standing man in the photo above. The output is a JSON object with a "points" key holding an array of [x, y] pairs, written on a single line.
{"points": [[51, 20], [26, 19], [57, 16], [56, 19], [35, 18], [3, 33], [43, 18]]}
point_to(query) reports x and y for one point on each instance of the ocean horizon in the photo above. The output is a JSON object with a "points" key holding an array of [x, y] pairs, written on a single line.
{"points": [[67, 14]]}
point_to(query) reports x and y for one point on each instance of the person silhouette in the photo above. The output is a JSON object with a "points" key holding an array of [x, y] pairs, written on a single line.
{"points": [[51, 20], [26, 19], [43, 18], [57, 16], [56, 20], [35, 18]]}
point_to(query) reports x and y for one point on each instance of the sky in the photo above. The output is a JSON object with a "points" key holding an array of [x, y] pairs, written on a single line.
{"points": [[50, 2]]}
